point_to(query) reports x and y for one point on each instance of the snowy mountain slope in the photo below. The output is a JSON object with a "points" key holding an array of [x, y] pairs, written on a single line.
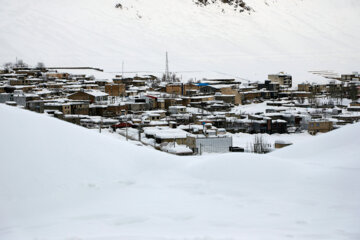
{"points": [[237, 5], [280, 35], [67, 182]]}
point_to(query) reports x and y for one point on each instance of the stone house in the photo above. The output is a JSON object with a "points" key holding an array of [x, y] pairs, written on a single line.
{"points": [[214, 144], [282, 79], [115, 90], [322, 126], [92, 96]]}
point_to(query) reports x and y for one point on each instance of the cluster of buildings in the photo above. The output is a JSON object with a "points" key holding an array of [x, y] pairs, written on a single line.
{"points": [[183, 118]]}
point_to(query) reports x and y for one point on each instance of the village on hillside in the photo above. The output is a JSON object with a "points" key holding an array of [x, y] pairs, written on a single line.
{"points": [[186, 118]]}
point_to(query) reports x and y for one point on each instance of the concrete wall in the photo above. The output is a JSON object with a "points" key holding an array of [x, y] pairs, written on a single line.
{"points": [[213, 144]]}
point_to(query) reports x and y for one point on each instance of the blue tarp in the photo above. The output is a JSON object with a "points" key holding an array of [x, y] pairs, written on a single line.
{"points": [[202, 84]]}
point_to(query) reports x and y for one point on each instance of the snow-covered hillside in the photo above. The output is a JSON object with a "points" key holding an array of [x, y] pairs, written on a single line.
{"points": [[279, 35], [61, 181]]}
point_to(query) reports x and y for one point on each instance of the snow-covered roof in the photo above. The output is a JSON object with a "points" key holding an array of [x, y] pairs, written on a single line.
{"points": [[96, 93], [166, 132], [176, 148]]}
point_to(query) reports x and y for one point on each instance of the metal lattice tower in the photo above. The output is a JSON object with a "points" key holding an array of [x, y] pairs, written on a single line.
{"points": [[167, 73]]}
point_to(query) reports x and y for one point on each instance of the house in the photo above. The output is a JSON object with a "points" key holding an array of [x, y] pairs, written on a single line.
{"points": [[177, 109], [312, 88], [217, 106], [355, 103], [21, 98], [75, 119], [300, 94], [209, 89], [175, 88], [250, 96], [98, 122], [173, 148], [97, 110], [116, 110], [115, 90], [168, 102], [55, 106], [74, 108], [278, 126], [57, 75], [138, 106], [166, 135], [282, 144], [145, 78], [161, 113], [232, 91], [214, 144], [120, 80], [101, 82], [350, 77], [5, 97], [348, 118], [265, 94], [218, 88], [2, 89], [17, 81], [282, 79], [90, 86], [225, 98], [353, 108], [94, 96], [305, 87], [35, 106], [216, 121], [201, 99], [224, 81], [154, 116], [54, 85], [79, 108], [268, 85], [268, 90], [321, 125]]}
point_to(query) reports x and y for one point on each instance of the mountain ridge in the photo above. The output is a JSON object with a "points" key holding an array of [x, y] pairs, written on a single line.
{"points": [[291, 36]]}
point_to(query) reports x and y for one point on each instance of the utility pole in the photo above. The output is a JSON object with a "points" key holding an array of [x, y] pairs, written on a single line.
{"points": [[140, 128], [122, 70], [100, 125], [126, 124]]}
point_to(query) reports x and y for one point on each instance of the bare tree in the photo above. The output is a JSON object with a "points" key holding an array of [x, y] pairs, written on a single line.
{"points": [[260, 145], [191, 81], [301, 100], [353, 92], [171, 78], [8, 66], [40, 65], [21, 64]]}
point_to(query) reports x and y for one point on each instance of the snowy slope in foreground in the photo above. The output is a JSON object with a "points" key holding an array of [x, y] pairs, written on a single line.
{"points": [[281, 35], [61, 181]]}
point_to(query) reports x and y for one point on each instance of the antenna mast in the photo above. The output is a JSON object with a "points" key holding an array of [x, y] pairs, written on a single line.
{"points": [[167, 74]]}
